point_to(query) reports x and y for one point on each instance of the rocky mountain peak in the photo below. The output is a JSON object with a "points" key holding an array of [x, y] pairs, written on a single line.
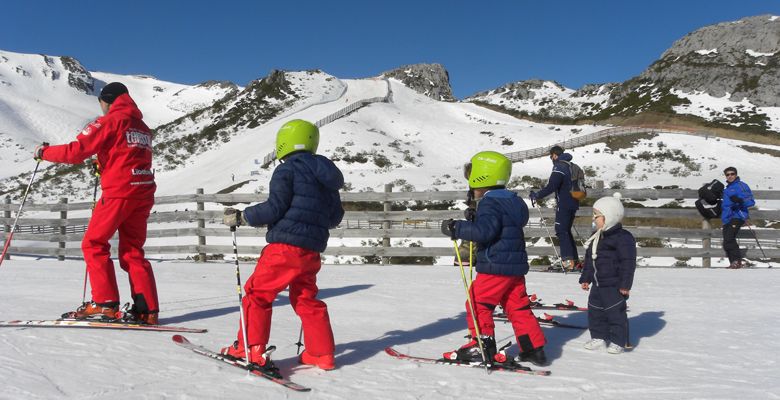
{"points": [[431, 80]]}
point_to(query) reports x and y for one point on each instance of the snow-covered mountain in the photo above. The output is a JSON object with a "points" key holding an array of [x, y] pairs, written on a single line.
{"points": [[728, 74], [47, 98], [215, 135]]}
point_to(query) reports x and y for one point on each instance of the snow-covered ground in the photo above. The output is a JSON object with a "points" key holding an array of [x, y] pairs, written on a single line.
{"points": [[699, 334]]}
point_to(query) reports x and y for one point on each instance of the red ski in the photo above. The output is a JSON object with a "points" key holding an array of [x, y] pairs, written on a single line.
{"points": [[87, 324], [503, 367]]}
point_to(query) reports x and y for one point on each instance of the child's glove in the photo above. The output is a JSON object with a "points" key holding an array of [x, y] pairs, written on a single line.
{"points": [[470, 214], [448, 228], [233, 217]]}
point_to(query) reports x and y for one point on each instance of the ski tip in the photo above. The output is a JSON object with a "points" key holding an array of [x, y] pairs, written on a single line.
{"points": [[391, 351], [179, 339]]}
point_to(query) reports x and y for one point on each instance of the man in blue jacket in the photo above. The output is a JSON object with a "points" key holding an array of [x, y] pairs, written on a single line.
{"points": [[303, 203], [566, 205], [737, 197]]}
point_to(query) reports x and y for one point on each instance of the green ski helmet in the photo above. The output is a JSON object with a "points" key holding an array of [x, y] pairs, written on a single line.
{"points": [[488, 169], [297, 135]]}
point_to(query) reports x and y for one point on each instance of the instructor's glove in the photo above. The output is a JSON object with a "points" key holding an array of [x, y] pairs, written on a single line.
{"points": [[233, 217], [532, 196], [38, 152], [448, 228], [736, 199]]}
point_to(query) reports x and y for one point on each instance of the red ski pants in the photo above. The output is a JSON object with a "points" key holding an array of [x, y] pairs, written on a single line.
{"points": [[128, 216], [281, 266], [488, 291]]}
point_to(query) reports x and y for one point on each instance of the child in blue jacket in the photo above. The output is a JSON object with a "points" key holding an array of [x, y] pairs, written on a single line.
{"points": [[502, 262], [303, 203], [610, 262]]}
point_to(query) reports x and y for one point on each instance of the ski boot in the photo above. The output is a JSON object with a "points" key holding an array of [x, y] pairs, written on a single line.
{"points": [[259, 355], [131, 314], [471, 353], [736, 264], [92, 310], [535, 357], [326, 362]]}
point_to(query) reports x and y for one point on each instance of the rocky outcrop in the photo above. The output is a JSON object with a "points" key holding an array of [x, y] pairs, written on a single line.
{"points": [[740, 58], [78, 76], [431, 80]]}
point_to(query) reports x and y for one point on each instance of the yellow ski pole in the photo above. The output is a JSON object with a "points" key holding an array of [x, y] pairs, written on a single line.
{"points": [[471, 307]]}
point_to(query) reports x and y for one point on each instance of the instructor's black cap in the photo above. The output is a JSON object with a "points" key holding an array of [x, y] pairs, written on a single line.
{"points": [[111, 91]]}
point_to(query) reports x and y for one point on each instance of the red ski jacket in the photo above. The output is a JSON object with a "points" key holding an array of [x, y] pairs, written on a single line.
{"points": [[123, 144]]}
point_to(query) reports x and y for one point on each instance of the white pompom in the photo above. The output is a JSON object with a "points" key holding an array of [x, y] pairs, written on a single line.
{"points": [[617, 195]]}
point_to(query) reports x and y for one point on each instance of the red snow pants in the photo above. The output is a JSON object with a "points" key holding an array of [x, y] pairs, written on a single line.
{"points": [[488, 291], [128, 216], [281, 266]]}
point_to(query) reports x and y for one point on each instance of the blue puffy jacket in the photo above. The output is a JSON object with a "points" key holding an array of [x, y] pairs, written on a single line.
{"points": [[732, 209], [560, 184], [303, 202], [498, 232], [615, 260]]}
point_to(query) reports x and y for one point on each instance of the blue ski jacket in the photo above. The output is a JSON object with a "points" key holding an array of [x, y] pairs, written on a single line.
{"points": [[303, 202], [732, 209], [560, 184], [498, 232]]}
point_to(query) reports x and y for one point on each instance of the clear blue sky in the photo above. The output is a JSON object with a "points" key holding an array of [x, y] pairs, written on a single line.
{"points": [[483, 44]]}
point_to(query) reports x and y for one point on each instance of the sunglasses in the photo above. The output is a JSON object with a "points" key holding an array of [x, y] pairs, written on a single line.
{"points": [[730, 174], [596, 215]]}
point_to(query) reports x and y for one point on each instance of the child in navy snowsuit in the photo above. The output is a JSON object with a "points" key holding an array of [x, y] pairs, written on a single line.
{"points": [[610, 262]]}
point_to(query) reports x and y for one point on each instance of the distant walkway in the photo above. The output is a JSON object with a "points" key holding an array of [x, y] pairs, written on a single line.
{"points": [[591, 138], [387, 98]]}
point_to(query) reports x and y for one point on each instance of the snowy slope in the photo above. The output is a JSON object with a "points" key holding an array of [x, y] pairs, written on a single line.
{"points": [[690, 344], [46, 98]]}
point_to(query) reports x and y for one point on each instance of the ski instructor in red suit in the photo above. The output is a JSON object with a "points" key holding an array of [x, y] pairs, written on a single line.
{"points": [[123, 144]]}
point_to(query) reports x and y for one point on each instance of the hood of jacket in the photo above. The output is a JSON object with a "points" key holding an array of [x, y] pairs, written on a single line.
{"points": [[125, 105], [319, 167]]}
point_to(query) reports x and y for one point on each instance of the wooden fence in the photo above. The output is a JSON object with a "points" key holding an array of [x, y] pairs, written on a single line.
{"points": [[197, 220]]}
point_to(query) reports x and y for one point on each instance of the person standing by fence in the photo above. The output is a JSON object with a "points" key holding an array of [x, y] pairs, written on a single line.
{"points": [[123, 144], [737, 197], [303, 203], [560, 183]]}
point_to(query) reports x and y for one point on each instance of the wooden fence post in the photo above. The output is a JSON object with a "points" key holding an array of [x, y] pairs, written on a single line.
{"points": [[387, 206], [706, 242], [64, 218], [201, 225], [7, 228]]}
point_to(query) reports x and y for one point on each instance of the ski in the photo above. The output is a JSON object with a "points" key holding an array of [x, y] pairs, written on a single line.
{"points": [[251, 368], [92, 324], [503, 367], [567, 305], [545, 319]]}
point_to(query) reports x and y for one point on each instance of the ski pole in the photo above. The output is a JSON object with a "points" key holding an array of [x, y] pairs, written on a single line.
{"points": [[471, 307], [549, 235], [19, 212], [299, 343], [96, 173], [240, 297], [758, 243]]}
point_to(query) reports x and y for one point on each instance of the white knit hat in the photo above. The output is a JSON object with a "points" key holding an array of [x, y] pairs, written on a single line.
{"points": [[612, 210]]}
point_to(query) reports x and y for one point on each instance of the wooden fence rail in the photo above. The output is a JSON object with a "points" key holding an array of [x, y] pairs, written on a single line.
{"points": [[197, 217]]}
